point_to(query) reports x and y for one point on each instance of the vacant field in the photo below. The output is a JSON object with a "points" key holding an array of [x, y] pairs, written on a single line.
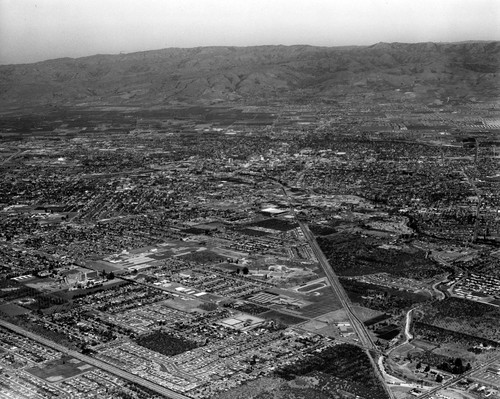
{"points": [[453, 351], [366, 314], [190, 305], [203, 257], [313, 325], [423, 344], [282, 317], [336, 316], [325, 302], [59, 369], [101, 265], [403, 350], [11, 309]]}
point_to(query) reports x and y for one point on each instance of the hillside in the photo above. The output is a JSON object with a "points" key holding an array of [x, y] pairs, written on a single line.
{"points": [[409, 72]]}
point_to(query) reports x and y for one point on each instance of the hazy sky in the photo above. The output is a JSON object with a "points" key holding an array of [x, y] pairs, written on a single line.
{"points": [[34, 30]]}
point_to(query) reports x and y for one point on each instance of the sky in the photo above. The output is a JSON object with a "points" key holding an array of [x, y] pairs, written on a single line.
{"points": [[36, 30]]}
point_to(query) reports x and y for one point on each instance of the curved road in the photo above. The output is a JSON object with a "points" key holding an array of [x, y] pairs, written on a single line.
{"points": [[408, 334], [94, 362], [440, 294], [390, 379]]}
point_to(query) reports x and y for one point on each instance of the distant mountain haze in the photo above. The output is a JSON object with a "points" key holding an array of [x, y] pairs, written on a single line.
{"points": [[408, 72]]}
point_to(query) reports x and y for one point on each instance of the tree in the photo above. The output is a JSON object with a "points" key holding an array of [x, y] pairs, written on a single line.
{"points": [[445, 366], [458, 367], [418, 366], [427, 368], [111, 276], [245, 270], [439, 378]]}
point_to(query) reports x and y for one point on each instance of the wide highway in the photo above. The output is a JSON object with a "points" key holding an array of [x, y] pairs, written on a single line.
{"points": [[356, 323], [168, 393]]}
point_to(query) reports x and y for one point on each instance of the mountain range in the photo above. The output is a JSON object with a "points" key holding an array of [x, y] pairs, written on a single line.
{"points": [[385, 71]]}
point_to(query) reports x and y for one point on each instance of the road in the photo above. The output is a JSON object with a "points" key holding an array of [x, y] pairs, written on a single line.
{"points": [[459, 377], [9, 158], [440, 294], [408, 334], [478, 194], [168, 393], [390, 379], [356, 323]]}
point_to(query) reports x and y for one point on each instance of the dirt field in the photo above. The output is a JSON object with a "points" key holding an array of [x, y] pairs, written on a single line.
{"points": [[282, 317], [11, 309], [59, 369]]}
